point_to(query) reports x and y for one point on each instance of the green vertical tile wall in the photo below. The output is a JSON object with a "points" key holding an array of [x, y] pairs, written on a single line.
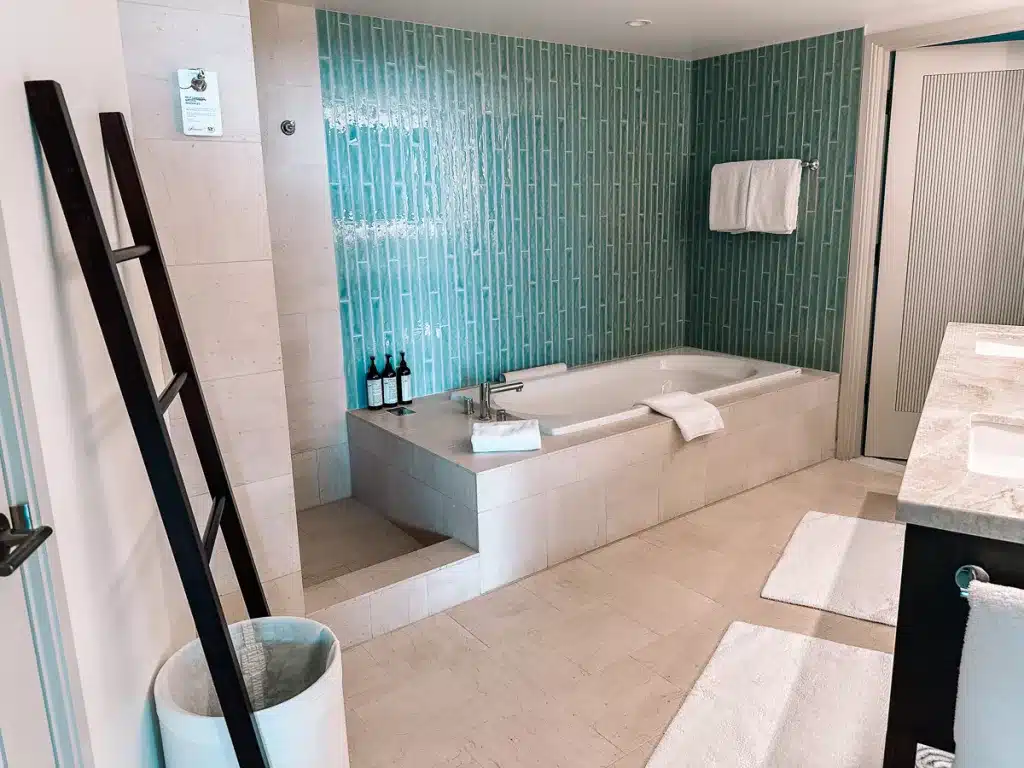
{"points": [[501, 203], [776, 297]]}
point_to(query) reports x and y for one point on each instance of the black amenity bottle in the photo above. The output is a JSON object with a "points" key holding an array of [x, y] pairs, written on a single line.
{"points": [[404, 381], [374, 387], [390, 381]]}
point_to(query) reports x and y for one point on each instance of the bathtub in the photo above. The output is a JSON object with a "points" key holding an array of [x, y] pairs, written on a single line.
{"points": [[598, 395]]}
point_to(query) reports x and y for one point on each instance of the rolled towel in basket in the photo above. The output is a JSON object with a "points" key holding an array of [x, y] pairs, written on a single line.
{"points": [[506, 436]]}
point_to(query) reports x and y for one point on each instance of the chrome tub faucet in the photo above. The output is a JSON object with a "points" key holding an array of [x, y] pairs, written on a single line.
{"points": [[487, 389]]}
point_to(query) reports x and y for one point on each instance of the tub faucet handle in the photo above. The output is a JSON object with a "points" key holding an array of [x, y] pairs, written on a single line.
{"points": [[468, 406]]}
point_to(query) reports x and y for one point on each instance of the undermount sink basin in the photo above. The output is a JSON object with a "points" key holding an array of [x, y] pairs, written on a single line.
{"points": [[995, 346], [996, 447]]}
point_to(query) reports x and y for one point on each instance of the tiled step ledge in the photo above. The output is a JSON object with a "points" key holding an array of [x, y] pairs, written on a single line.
{"points": [[384, 597]]}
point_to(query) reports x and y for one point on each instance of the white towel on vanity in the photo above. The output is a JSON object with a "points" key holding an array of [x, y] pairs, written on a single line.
{"points": [[774, 196], [535, 373], [730, 195], [498, 436], [990, 696], [694, 417]]}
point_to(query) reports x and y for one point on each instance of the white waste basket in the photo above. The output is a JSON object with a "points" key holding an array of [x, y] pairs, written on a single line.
{"points": [[292, 670]]}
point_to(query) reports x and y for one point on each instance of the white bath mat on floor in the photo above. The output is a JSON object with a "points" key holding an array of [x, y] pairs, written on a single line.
{"points": [[842, 565], [774, 699]]}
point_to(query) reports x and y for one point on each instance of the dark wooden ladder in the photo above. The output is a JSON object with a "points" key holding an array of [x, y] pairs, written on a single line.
{"points": [[146, 408]]}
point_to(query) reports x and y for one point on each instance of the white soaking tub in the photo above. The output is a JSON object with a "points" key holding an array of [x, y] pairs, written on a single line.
{"points": [[597, 395]]}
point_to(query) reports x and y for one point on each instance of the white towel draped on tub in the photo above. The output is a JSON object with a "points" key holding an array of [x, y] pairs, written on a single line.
{"points": [[989, 724], [755, 196], [506, 436], [694, 417]]}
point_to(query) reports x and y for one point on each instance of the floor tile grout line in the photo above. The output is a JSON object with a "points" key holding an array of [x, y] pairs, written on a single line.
{"points": [[467, 629]]}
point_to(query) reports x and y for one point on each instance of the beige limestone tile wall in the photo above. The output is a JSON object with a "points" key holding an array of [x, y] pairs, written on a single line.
{"points": [[210, 204], [288, 84]]}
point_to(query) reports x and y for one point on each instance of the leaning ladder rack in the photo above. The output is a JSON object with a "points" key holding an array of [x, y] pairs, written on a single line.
{"points": [[146, 408]]}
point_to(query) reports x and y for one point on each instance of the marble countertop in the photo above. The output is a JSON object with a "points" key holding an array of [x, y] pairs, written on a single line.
{"points": [[938, 490]]}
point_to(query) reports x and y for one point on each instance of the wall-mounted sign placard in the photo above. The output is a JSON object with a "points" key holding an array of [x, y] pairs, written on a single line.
{"points": [[200, 103]]}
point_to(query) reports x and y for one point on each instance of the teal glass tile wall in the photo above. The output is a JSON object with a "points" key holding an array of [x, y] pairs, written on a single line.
{"points": [[777, 297], [501, 203]]}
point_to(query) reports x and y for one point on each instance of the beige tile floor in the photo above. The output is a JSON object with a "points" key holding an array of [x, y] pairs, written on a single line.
{"points": [[345, 536], [584, 665]]}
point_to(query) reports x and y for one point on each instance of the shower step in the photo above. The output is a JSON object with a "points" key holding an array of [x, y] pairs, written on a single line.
{"points": [[387, 596]]}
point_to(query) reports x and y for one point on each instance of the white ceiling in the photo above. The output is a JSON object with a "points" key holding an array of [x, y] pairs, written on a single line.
{"points": [[685, 29]]}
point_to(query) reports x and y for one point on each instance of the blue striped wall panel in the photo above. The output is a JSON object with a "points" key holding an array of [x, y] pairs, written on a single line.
{"points": [[500, 203]]}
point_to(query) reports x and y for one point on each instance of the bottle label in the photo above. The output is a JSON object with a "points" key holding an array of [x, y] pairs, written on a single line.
{"points": [[374, 393], [407, 387], [391, 391]]}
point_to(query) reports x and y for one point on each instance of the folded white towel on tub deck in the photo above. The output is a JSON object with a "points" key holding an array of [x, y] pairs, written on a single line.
{"points": [[774, 196], [498, 436], [730, 195], [988, 727], [694, 416]]}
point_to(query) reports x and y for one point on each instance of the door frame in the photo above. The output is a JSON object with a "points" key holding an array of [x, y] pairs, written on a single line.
{"points": [[41, 576], [872, 130]]}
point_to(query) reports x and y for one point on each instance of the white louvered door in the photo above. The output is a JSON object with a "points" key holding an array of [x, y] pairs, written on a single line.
{"points": [[952, 240]]}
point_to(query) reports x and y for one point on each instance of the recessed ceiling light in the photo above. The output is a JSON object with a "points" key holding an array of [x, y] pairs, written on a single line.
{"points": [[638, 23]]}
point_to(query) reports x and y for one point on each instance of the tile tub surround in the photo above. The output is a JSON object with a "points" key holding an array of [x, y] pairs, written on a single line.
{"points": [[938, 490], [526, 512], [499, 202]]}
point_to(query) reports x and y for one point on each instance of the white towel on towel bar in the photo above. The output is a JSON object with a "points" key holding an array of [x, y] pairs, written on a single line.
{"points": [[990, 694], [755, 196], [694, 417], [730, 196], [774, 196]]}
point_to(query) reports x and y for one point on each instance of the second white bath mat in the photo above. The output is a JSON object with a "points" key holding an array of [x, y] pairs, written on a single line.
{"points": [[842, 565], [774, 699]]}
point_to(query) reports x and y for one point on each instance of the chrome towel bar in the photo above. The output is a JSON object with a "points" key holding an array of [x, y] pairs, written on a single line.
{"points": [[965, 574]]}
